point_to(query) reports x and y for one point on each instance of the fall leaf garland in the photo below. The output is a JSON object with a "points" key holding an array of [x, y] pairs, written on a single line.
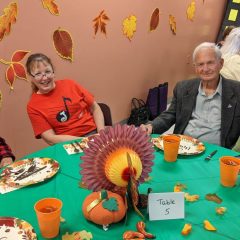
{"points": [[6, 20], [51, 6], [63, 44], [100, 23], [15, 68]]}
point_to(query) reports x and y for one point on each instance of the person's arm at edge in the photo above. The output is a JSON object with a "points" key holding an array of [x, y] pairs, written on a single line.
{"points": [[51, 138], [6, 155], [97, 116]]}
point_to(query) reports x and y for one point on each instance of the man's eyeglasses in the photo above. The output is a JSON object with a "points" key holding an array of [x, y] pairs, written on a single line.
{"points": [[39, 76]]}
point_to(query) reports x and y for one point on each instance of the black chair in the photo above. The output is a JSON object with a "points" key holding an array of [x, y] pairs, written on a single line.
{"points": [[106, 114]]}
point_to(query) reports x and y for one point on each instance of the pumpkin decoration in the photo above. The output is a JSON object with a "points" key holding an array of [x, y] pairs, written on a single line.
{"points": [[104, 207]]}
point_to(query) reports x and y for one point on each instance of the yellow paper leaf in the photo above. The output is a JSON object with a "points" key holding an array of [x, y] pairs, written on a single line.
{"points": [[186, 229], [191, 10], [233, 15], [221, 210], [173, 24], [78, 236], [51, 6], [6, 20], [130, 26], [191, 198], [208, 226]]}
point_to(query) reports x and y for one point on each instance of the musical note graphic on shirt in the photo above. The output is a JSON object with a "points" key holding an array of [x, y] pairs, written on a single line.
{"points": [[64, 115]]}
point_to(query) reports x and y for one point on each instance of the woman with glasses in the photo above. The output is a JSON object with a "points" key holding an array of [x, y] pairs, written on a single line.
{"points": [[59, 110]]}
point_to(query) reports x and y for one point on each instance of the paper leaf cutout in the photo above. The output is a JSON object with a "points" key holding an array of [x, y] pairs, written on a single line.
{"points": [[15, 68], [6, 20], [19, 55], [63, 44], [179, 187], [208, 226], [213, 197], [19, 70], [191, 198], [82, 235], [130, 26], [51, 6], [154, 19], [10, 76], [110, 204], [191, 10], [186, 229], [173, 24], [100, 23], [221, 210]]}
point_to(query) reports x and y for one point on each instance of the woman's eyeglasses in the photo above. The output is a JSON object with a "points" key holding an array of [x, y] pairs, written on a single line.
{"points": [[39, 76]]}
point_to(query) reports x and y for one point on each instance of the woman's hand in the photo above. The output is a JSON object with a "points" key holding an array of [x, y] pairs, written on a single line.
{"points": [[6, 161]]}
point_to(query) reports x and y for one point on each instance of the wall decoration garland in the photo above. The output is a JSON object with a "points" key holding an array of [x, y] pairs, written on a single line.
{"points": [[191, 10], [154, 20], [173, 24], [51, 6], [130, 26], [15, 68], [100, 23], [63, 44], [7, 19]]}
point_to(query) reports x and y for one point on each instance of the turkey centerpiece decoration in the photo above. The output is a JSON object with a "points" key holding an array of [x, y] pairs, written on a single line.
{"points": [[114, 164]]}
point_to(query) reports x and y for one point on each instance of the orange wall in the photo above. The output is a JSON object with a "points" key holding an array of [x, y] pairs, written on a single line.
{"points": [[112, 68]]}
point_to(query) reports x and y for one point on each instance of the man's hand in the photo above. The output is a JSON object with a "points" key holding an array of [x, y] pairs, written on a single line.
{"points": [[6, 161], [147, 128]]}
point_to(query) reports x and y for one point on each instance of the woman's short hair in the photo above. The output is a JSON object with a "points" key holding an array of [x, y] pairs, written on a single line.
{"points": [[205, 45], [232, 43]]}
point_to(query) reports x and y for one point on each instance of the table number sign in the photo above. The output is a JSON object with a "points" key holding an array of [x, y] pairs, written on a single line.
{"points": [[163, 206]]}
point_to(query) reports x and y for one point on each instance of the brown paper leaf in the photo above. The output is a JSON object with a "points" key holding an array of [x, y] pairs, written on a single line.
{"points": [[154, 19], [191, 10], [51, 6], [63, 44], [173, 24], [100, 23], [6, 20], [213, 197]]}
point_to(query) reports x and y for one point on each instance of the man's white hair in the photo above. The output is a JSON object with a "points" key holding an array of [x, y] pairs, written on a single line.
{"points": [[205, 45]]}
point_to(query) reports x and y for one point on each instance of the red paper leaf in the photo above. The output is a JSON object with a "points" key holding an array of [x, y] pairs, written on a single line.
{"points": [[19, 55], [63, 44], [10, 76], [154, 20], [19, 70]]}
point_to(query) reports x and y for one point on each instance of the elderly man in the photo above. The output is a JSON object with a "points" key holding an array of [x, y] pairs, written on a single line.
{"points": [[6, 155], [206, 108]]}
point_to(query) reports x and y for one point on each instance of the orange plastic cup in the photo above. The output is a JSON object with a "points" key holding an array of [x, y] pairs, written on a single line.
{"points": [[229, 168], [48, 211], [171, 145]]}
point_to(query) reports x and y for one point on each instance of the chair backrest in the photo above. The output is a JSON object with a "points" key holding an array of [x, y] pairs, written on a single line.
{"points": [[106, 114]]}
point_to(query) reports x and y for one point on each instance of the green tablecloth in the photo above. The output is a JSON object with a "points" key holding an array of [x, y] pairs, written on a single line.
{"points": [[200, 176]]}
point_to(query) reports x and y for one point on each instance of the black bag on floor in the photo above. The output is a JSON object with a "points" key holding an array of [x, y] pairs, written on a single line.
{"points": [[157, 100], [139, 113]]}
